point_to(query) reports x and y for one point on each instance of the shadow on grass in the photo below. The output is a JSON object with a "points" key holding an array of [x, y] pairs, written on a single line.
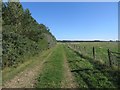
{"points": [[77, 71]]}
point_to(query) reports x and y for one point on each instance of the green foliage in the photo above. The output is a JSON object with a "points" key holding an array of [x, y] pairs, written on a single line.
{"points": [[22, 35]]}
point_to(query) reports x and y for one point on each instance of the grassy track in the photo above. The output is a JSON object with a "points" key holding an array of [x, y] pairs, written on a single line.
{"points": [[52, 74], [48, 70]]}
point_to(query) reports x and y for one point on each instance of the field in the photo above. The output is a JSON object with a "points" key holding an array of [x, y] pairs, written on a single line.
{"points": [[100, 52], [66, 66]]}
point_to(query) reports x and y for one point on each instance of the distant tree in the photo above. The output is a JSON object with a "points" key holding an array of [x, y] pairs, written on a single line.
{"points": [[110, 40]]}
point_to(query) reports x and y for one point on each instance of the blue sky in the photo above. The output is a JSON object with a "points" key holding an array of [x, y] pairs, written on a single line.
{"points": [[77, 21]]}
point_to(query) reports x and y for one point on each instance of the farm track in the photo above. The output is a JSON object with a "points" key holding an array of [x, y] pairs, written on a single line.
{"points": [[26, 78]]}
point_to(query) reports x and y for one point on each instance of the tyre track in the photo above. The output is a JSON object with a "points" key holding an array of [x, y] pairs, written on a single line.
{"points": [[69, 81]]}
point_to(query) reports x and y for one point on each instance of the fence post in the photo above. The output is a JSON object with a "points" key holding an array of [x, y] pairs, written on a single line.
{"points": [[93, 53], [84, 50], [110, 62]]}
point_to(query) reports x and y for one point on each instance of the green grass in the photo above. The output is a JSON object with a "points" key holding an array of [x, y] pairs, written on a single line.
{"points": [[52, 74], [88, 73]]}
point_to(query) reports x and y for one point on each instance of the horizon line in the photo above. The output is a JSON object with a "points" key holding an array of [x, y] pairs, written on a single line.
{"points": [[85, 40]]}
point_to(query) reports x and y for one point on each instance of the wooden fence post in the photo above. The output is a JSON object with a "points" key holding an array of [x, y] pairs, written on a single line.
{"points": [[110, 62], [85, 51], [93, 52]]}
